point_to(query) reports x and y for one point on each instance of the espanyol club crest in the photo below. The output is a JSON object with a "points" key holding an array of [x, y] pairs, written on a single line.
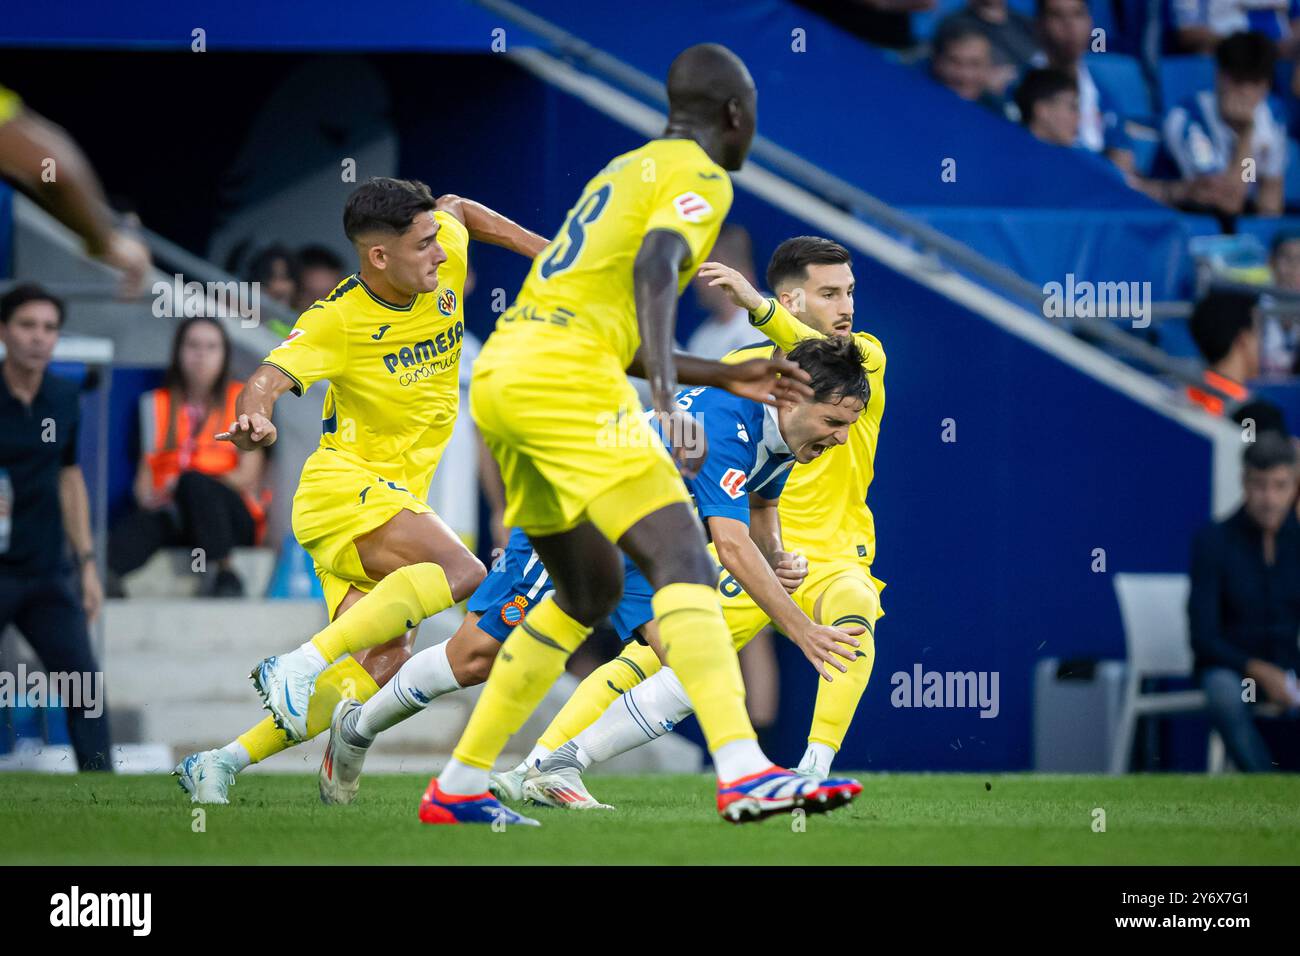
{"points": [[447, 301], [512, 612]]}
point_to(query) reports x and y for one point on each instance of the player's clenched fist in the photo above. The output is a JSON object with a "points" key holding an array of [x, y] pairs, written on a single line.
{"points": [[790, 568], [248, 432]]}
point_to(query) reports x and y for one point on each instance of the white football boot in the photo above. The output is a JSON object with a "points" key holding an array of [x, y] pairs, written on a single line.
{"points": [[508, 785], [561, 788], [340, 768], [285, 684], [207, 776]]}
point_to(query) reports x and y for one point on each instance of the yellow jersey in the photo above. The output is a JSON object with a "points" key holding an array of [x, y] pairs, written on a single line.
{"points": [[582, 281], [393, 371], [824, 513]]}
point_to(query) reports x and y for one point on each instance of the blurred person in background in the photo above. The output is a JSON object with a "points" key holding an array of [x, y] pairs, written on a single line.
{"points": [[1199, 25], [320, 270], [1011, 34], [191, 490], [1216, 136], [962, 60], [1065, 35], [727, 326], [1244, 606], [32, 147], [276, 271], [44, 508], [1223, 327], [1048, 101], [1281, 325]]}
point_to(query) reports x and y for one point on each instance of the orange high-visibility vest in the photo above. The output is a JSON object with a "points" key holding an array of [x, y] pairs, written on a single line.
{"points": [[191, 450]]}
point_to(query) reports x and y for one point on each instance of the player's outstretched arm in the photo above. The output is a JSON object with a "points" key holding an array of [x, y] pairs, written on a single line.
{"points": [[769, 381], [252, 427], [45, 161], [765, 532], [488, 225], [745, 562]]}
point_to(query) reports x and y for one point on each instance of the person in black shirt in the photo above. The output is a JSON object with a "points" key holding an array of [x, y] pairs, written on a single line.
{"points": [[1244, 607], [42, 498]]}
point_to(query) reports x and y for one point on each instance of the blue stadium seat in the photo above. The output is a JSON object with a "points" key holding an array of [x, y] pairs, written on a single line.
{"points": [[1120, 78], [924, 24], [1181, 76], [1292, 183]]}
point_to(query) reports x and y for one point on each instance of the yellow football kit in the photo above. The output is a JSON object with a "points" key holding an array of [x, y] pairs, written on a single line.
{"points": [[389, 412], [550, 392], [551, 398]]}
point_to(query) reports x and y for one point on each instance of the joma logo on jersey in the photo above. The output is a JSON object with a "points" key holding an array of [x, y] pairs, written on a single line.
{"points": [[422, 352]]}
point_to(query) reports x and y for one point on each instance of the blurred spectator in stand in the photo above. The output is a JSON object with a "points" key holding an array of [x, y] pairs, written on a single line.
{"points": [[30, 147], [1048, 101], [1010, 33], [1281, 327], [1199, 25], [1244, 607], [886, 23], [319, 271], [43, 509], [726, 326], [191, 490], [1229, 148], [963, 61], [1224, 330], [276, 271], [1065, 34]]}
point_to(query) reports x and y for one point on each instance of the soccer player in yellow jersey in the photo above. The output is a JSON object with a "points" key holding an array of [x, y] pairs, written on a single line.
{"points": [[584, 472], [388, 340], [824, 519]]}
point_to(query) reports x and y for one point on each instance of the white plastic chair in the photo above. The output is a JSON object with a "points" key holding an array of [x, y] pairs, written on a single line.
{"points": [[1153, 608]]}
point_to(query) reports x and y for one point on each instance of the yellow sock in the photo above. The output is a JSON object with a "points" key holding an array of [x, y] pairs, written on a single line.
{"points": [[846, 600], [529, 661], [601, 688], [398, 603], [698, 646], [343, 678]]}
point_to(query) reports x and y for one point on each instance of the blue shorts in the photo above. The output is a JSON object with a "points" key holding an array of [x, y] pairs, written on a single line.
{"points": [[517, 581]]}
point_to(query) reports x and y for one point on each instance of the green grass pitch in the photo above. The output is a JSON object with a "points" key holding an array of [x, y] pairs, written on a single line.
{"points": [[899, 819]]}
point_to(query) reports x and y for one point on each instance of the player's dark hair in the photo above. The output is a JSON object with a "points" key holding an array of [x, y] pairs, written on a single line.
{"points": [[319, 257], [1218, 319], [1269, 450], [1039, 85], [385, 205], [954, 31], [1246, 57], [793, 257], [835, 364], [20, 295]]}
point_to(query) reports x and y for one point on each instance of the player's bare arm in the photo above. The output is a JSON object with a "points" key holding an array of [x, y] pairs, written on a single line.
{"points": [[746, 563], [769, 381], [28, 143], [737, 287], [654, 283], [765, 531], [488, 225], [252, 427]]}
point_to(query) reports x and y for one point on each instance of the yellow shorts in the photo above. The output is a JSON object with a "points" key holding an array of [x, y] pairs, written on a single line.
{"points": [[338, 501], [745, 618], [567, 429]]}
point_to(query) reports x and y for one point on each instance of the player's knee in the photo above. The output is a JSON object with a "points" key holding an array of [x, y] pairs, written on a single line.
{"points": [[464, 574], [592, 603]]}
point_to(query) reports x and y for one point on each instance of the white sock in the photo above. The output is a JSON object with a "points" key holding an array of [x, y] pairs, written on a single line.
{"points": [[462, 779], [424, 677], [537, 753], [314, 656], [239, 754], [739, 758], [645, 713], [818, 758]]}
